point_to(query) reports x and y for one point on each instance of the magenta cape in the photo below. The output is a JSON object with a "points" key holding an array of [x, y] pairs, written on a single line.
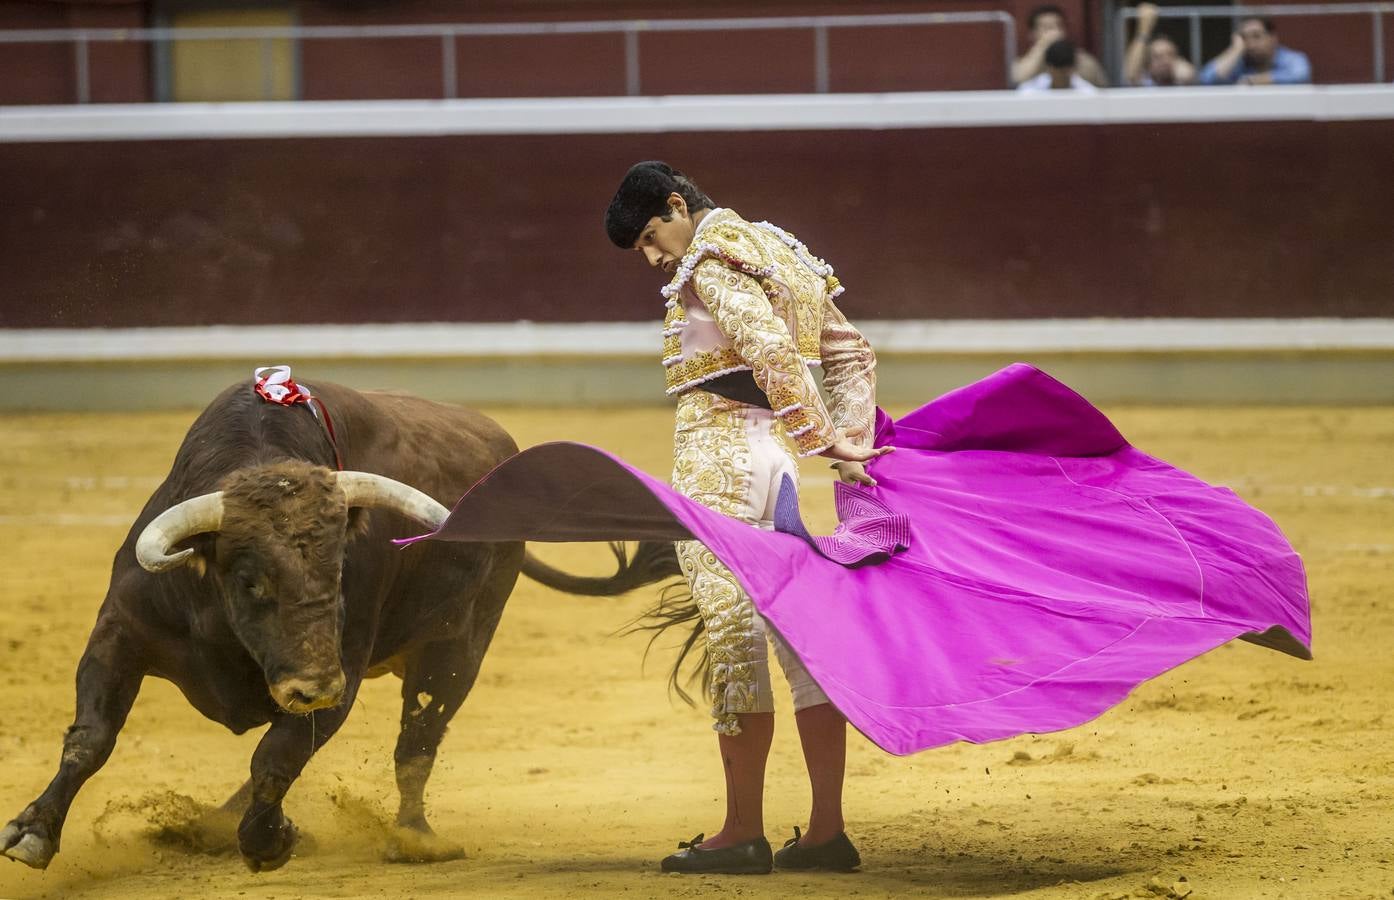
{"points": [[1039, 566]]}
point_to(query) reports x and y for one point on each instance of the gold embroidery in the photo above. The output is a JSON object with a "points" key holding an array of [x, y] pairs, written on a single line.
{"points": [[712, 465], [849, 374], [777, 314], [794, 292], [673, 323], [734, 265], [702, 367], [762, 341]]}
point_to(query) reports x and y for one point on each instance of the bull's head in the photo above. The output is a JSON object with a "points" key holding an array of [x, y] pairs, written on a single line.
{"points": [[277, 555]]}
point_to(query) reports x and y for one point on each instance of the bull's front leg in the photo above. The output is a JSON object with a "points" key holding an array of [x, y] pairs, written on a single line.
{"points": [[265, 836], [108, 679]]}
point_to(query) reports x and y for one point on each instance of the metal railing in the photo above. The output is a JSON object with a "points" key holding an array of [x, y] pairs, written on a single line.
{"points": [[447, 35], [1375, 11]]}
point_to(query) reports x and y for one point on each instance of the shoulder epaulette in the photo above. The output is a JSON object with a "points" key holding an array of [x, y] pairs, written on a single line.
{"points": [[735, 244]]}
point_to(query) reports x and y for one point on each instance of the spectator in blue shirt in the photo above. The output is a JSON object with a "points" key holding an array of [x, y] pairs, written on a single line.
{"points": [[1254, 57]]}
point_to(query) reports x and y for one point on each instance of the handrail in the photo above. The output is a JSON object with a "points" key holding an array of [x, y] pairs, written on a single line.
{"points": [[1375, 11], [80, 38]]}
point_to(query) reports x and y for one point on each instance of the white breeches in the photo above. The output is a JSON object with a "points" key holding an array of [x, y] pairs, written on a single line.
{"points": [[731, 457]]}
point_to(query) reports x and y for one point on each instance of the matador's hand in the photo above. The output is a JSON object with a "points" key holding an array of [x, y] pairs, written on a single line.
{"points": [[853, 473], [846, 451]]}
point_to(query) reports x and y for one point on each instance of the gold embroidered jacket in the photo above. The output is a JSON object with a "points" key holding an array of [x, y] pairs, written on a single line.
{"points": [[750, 297]]}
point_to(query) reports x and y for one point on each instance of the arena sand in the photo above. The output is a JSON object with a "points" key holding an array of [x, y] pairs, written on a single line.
{"points": [[569, 772]]}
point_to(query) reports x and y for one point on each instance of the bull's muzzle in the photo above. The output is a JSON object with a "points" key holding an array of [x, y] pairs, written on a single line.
{"points": [[307, 693]]}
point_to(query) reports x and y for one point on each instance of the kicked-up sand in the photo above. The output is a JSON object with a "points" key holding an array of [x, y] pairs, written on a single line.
{"points": [[569, 771]]}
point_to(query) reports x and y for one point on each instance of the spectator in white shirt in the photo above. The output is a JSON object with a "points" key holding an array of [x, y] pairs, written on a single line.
{"points": [[1059, 75], [1045, 25]]}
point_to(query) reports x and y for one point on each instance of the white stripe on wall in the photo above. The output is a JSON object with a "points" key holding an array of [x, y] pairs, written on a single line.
{"points": [[630, 115], [286, 343]]}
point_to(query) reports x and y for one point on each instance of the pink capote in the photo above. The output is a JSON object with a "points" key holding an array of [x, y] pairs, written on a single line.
{"points": [[1050, 567]]}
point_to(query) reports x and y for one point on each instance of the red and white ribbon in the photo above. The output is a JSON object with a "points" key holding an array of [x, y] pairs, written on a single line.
{"points": [[274, 385]]}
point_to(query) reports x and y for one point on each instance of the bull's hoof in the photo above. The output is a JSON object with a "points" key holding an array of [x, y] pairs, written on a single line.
{"points": [[412, 845], [22, 844], [273, 848]]}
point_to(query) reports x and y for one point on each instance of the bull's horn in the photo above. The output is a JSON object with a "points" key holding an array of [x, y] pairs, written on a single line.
{"points": [[197, 515], [367, 489]]}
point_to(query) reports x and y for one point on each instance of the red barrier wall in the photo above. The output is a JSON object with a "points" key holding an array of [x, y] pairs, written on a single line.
{"points": [[46, 73], [1253, 219], [952, 57]]}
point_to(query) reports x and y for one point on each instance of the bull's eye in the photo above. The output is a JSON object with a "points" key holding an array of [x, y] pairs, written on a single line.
{"points": [[251, 585]]}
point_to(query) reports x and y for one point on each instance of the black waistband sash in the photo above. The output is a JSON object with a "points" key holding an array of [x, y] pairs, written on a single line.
{"points": [[737, 386]]}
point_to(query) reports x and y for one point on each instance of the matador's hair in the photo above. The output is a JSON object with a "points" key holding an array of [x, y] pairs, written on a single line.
{"points": [[644, 194]]}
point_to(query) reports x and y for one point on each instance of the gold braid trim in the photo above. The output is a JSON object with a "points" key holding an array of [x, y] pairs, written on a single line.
{"points": [[761, 340]]}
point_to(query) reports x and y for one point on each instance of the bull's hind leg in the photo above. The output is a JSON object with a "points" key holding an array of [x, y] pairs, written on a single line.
{"points": [[438, 678], [108, 679], [265, 836]]}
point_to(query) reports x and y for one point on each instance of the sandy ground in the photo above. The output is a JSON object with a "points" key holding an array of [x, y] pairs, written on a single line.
{"points": [[569, 772]]}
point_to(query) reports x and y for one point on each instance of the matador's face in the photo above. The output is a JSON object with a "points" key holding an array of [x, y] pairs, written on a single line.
{"points": [[665, 239]]}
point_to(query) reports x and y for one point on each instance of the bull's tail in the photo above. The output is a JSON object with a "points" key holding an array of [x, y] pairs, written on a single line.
{"points": [[651, 562], [676, 608]]}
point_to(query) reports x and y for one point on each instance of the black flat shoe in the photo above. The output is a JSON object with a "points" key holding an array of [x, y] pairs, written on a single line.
{"points": [[836, 855], [750, 858]]}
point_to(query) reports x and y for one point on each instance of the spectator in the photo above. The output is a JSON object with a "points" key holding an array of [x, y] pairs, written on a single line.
{"points": [[1255, 57], [1060, 60], [1046, 25], [1153, 59]]}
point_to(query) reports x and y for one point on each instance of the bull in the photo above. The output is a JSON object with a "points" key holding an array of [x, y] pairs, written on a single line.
{"points": [[261, 580]]}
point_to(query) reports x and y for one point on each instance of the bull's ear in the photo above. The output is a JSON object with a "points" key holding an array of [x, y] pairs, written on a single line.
{"points": [[359, 518], [205, 547]]}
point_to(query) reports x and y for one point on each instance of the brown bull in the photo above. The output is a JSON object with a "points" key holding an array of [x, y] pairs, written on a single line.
{"points": [[265, 585]]}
